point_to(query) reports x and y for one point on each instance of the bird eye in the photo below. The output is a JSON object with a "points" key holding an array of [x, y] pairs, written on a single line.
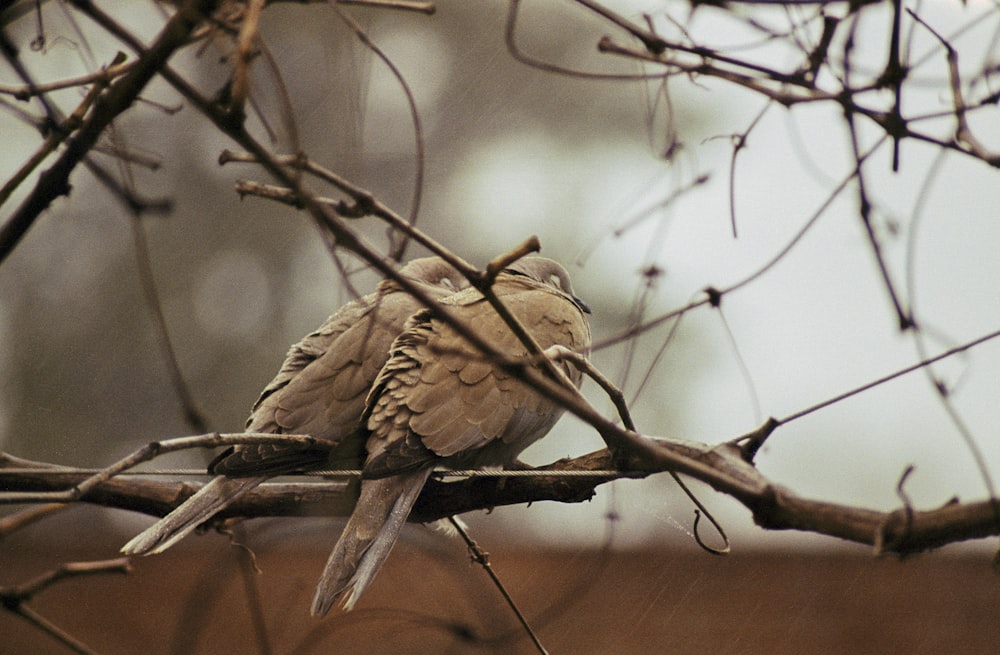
{"points": [[555, 281], [447, 283]]}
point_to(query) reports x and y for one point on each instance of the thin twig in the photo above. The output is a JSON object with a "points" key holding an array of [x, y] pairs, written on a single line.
{"points": [[54, 182], [155, 449], [193, 415], [246, 49], [364, 202], [558, 353], [963, 133], [406, 5], [714, 295], [14, 522], [562, 353], [399, 250], [101, 78], [56, 137], [968, 345], [15, 598], [739, 143], [482, 558], [510, 39]]}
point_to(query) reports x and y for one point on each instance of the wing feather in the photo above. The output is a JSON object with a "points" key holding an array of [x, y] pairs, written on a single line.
{"points": [[439, 392]]}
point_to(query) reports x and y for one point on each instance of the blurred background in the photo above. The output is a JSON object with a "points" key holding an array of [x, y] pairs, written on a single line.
{"points": [[629, 183]]}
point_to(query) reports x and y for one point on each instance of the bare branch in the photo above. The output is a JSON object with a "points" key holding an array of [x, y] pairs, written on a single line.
{"points": [[54, 182], [482, 558], [64, 130], [15, 599], [100, 78], [406, 5], [723, 467]]}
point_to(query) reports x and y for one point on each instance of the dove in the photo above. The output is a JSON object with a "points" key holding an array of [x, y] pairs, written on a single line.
{"points": [[320, 391], [439, 402]]}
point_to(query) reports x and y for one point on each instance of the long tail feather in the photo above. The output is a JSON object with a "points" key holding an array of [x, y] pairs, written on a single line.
{"points": [[368, 537], [210, 499]]}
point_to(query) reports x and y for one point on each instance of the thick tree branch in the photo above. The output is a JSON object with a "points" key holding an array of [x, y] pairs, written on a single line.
{"points": [[903, 531]]}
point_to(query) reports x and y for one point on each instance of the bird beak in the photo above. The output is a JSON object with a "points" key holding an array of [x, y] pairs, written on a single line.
{"points": [[584, 307]]}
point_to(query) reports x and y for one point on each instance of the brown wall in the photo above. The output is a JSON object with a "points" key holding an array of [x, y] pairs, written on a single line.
{"points": [[650, 601]]}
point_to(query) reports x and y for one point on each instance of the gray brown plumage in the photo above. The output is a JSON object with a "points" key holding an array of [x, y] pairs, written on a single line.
{"points": [[439, 402], [320, 391]]}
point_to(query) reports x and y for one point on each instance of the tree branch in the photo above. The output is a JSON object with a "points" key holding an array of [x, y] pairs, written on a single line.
{"points": [[54, 182], [903, 531]]}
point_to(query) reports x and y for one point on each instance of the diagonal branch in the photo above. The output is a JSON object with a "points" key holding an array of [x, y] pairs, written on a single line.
{"points": [[15, 598], [54, 182]]}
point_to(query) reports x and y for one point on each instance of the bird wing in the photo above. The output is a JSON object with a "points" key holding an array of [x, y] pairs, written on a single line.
{"points": [[438, 398], [321, 388]]}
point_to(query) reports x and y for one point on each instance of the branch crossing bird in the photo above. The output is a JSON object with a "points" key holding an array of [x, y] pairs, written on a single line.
{"points": [[438, 401], [320, 390], [387, 382]]}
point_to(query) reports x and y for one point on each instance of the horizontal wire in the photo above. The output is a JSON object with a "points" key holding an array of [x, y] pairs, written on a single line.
{"points": [[500, 473], [68, 470], [441, 473]]}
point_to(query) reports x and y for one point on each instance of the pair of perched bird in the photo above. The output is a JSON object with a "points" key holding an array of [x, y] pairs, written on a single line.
{"points": [[387, 382]]}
